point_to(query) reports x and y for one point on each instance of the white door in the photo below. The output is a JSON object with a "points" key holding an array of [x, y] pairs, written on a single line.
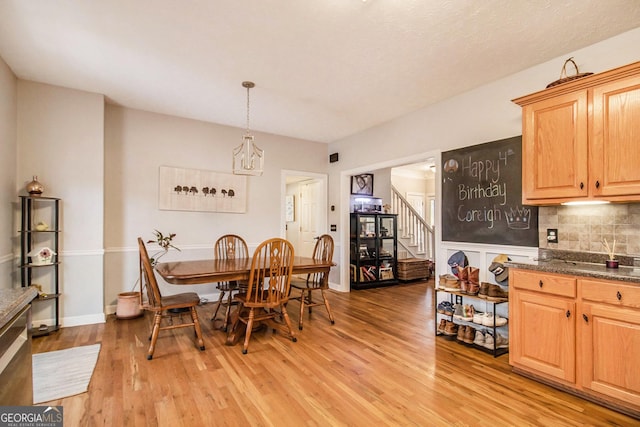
{"points": [[309, 227]]}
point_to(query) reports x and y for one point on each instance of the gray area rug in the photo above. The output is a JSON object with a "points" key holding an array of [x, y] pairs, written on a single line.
{"points": [[63, 373]]}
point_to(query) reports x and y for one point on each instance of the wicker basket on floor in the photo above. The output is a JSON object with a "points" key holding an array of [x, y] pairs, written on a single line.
{"points": [[414, 269]]}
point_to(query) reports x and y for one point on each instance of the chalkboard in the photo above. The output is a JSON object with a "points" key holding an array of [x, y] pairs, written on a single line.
{"points": [[482, 195]]}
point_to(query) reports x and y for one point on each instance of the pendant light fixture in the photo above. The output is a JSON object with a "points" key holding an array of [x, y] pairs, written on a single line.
{"points": [[248, 158]]}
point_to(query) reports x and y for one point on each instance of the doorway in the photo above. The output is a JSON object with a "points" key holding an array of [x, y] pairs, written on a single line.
{"points": [[304, 209]]}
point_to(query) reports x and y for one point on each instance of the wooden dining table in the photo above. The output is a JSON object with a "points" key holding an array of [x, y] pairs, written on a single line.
{"points": [[218, 270]]}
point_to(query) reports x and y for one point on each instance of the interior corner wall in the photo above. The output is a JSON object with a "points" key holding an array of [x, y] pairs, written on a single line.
{"points": [[480, 115], [137, 143], [60, 139], [8, 113]]}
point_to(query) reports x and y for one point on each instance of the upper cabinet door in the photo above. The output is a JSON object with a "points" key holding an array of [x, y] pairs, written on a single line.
{"points": [[615, 139], [555, 154]]}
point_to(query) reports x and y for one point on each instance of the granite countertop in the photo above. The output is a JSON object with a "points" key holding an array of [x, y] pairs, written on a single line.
{"points": [[578, 268], [14, 300]]}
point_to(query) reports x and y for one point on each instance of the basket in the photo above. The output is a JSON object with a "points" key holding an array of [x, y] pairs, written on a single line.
{"points": [[563, 74]]}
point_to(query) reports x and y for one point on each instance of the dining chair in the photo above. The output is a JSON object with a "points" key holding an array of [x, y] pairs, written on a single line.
{"points": [[162, 305], [268, 288], [227, 247], [322, 251]]}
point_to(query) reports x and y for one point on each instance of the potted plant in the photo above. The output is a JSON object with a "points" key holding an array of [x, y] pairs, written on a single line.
{"points": [[164, 241], [129, 304]]}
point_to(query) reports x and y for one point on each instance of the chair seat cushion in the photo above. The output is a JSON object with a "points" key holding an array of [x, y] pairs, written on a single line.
{"points": [[187, 299]]}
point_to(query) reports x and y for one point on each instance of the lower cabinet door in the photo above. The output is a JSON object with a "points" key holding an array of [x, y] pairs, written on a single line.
{"points": [[542, 335], [610, 350]]}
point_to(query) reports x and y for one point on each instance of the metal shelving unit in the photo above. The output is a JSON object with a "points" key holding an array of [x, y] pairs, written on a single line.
{"points": [[32, 238]]}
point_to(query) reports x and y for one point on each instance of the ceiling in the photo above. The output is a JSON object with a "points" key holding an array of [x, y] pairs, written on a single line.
{"points": [[324, 69]]}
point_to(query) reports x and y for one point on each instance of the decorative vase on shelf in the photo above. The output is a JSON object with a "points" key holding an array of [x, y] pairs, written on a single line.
{"points": [[35, 188]]}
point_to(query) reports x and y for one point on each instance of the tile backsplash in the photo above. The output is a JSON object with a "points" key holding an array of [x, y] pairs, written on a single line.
{"points": [[583, 228]]}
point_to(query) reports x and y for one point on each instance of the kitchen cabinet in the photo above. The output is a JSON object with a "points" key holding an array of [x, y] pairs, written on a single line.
{"points": [[542, 323], [610, 339], [40, 229], [374, 249], [578, 138], [579, 334]]}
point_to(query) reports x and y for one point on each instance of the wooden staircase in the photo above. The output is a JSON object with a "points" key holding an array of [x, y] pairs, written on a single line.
{"points": [[416, 238]]}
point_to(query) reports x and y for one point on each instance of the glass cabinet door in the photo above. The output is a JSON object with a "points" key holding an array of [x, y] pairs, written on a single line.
{"points": [[386, 226]]}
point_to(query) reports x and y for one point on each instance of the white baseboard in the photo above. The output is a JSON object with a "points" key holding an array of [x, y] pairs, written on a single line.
{"points": [[89, 319]]}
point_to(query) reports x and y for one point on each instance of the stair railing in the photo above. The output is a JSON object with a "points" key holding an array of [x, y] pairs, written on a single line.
{"points": [[413, 227]]}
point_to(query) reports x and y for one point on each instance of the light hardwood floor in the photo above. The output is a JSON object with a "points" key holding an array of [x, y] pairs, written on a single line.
{"points": [[380, 364]]}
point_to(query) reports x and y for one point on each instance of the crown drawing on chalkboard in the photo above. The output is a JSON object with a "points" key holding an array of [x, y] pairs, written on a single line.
{"points": [[518, 218]]}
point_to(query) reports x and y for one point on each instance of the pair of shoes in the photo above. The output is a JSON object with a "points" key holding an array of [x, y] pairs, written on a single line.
{"points": [[496, 293], [450, 328], [452, 284], [473, 285], [445, 279], [445, 307], [469, 280], [478, 317], [492, 292], [466, 333], [442, 326], [469, 334], [489, 319], [499, 341], [464, 312], [479, 338]]}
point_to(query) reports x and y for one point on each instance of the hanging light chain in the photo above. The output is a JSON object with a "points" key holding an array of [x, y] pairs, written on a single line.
{"points": [[248, 85]]}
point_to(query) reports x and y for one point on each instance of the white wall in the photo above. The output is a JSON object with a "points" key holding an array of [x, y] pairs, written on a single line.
{"points": [[8, 132], [60, 139], [481, 115], [137, 143]]}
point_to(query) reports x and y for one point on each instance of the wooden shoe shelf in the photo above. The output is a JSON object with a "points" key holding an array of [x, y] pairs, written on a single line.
{"points": [[490, 306]]}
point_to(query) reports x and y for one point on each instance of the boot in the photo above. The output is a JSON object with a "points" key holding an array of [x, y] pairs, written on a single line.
{"points": [[473, 285], [463, 275], [469, 335], [462, 329]]}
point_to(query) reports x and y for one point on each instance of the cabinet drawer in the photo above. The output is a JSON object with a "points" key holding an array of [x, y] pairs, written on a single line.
{"points": [[609, 292], [548, 283]]}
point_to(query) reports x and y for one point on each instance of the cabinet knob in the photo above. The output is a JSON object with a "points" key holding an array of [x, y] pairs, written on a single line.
{"points": [[581, 185], [619, 295], [586, 318], [597, 184], [540, 283], [568, 313]]}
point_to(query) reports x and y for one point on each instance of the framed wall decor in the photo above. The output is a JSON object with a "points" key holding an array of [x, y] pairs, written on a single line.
{"points": [[362, 184], [201, 190]]}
